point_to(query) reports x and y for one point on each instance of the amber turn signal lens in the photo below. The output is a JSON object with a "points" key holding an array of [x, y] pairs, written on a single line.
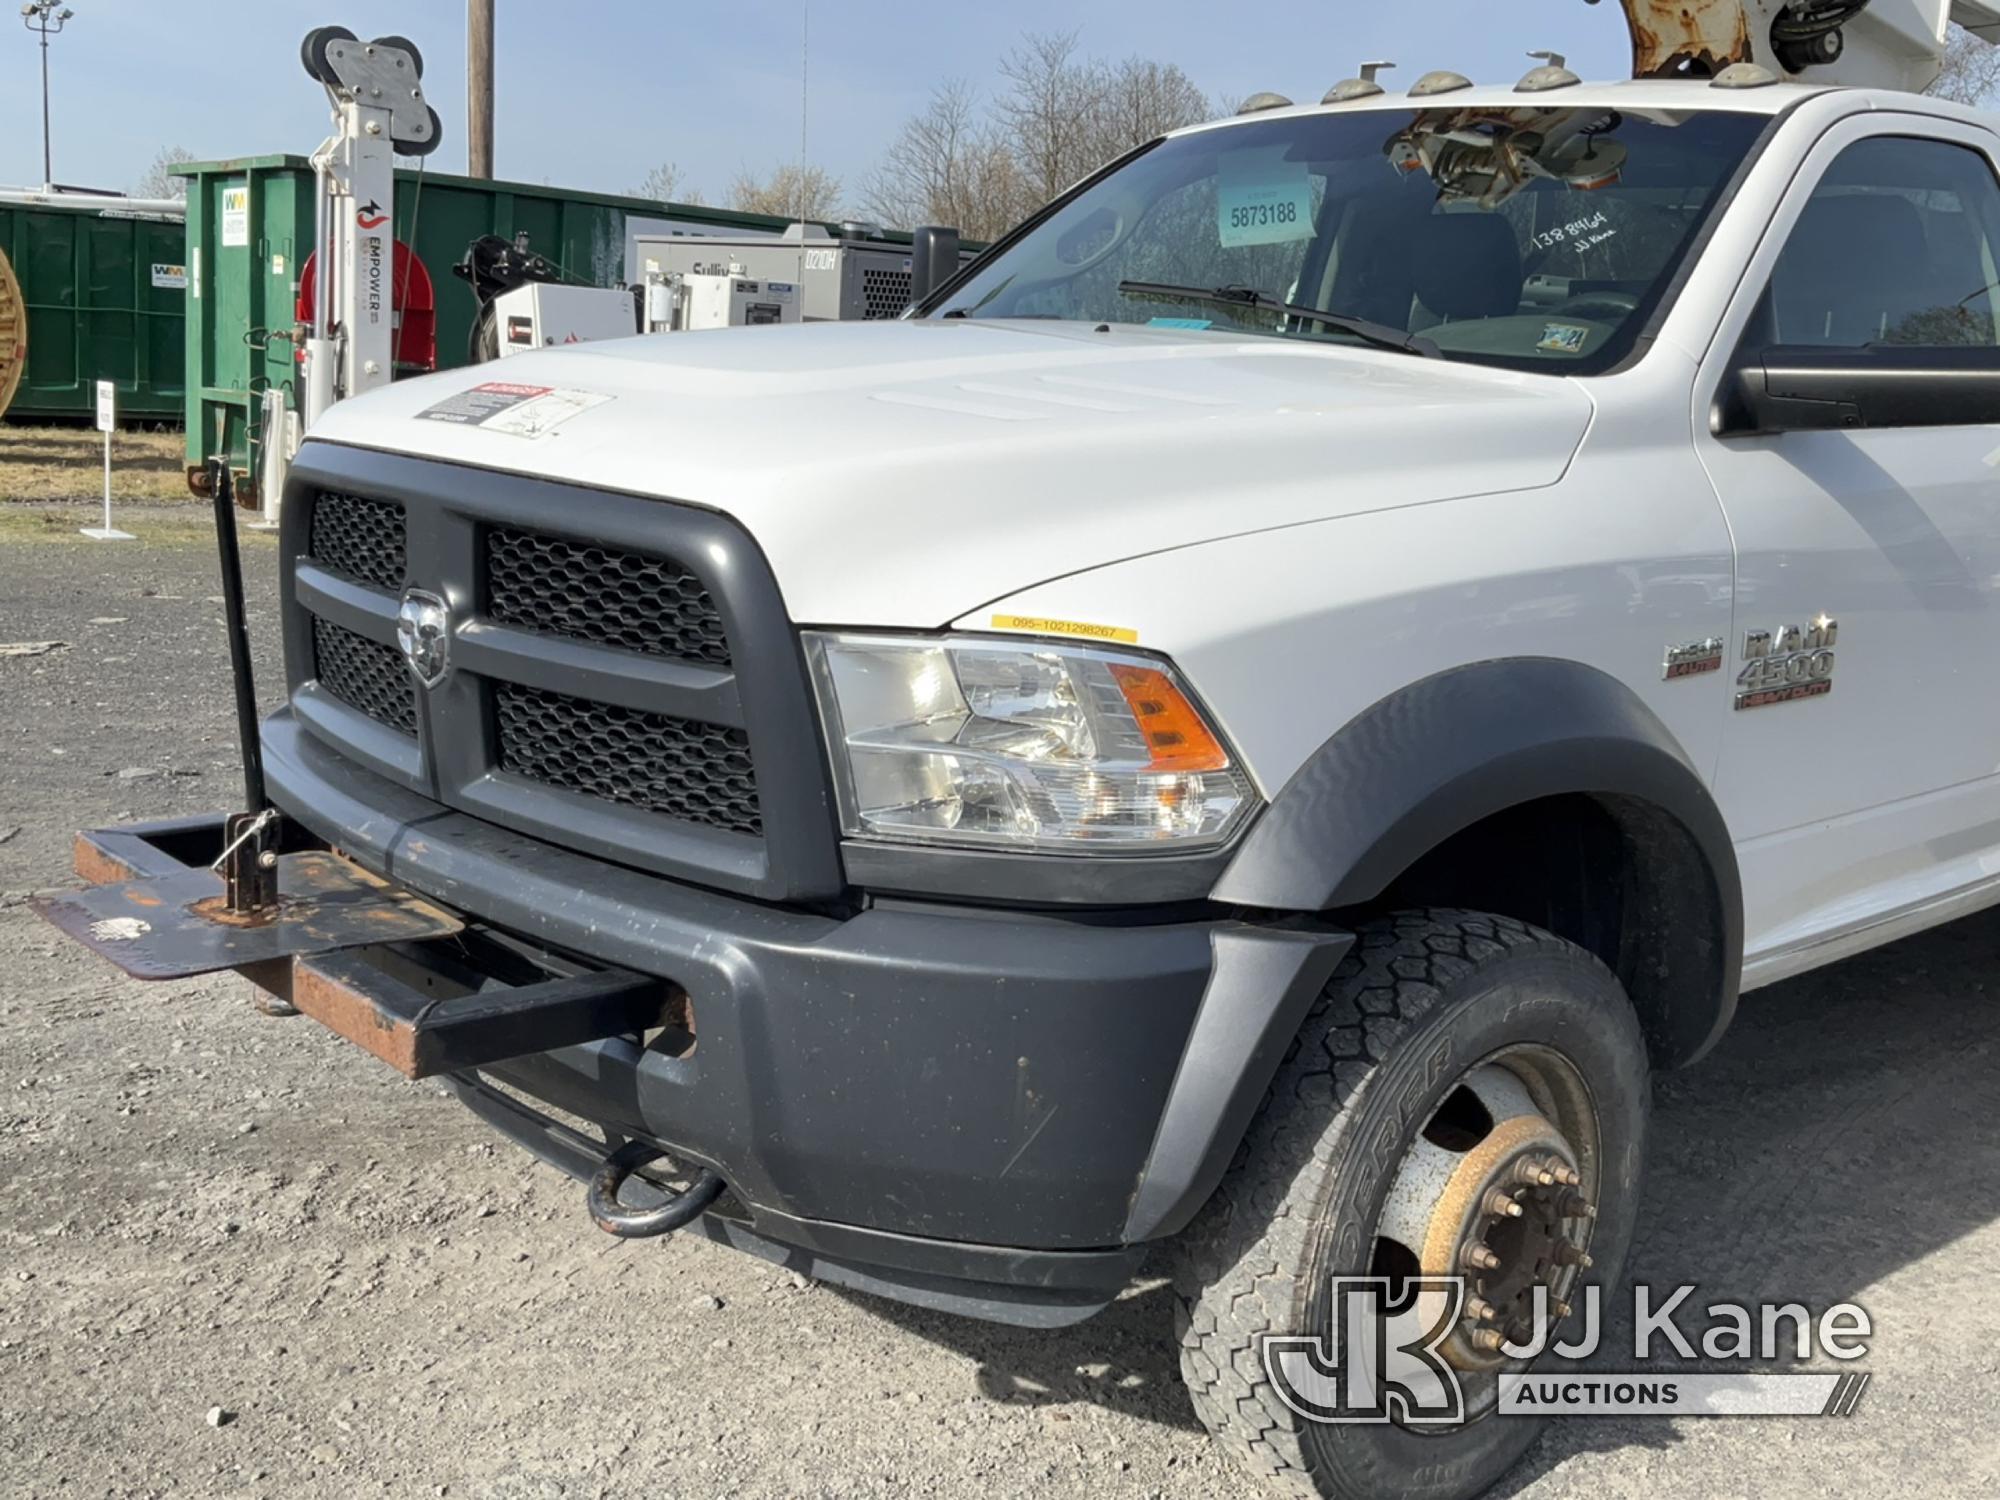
{"points": [[1175, 734]]}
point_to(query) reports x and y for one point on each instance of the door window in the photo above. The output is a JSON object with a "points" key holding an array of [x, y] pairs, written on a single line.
{"points": [[1899, 244]]}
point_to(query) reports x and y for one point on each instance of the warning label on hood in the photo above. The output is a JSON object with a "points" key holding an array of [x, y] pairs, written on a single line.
{"points": [[529, 411]]}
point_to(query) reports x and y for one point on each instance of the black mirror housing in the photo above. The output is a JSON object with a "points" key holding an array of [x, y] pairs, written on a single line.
{"points": [[1813, 389]]}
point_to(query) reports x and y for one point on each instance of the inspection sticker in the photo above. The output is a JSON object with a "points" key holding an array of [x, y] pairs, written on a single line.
{"points": [[529, 411], [1040, 626], [1564, 338], [1262, 199]]}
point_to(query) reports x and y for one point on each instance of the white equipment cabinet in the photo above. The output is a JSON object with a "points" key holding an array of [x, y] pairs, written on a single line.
{"points": [[546, 314]]}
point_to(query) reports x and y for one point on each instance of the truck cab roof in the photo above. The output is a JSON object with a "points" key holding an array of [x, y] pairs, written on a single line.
{"points": [[1643, 95]]}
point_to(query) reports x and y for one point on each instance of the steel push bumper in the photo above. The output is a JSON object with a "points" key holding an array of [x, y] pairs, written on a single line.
{"points": [[400, 977]]}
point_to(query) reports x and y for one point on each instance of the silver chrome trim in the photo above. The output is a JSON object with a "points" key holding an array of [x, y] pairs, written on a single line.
{"points": [[1785, 963]]}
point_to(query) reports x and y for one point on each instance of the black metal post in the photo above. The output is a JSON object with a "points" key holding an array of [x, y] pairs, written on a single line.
{"points": [[48, 159], [237, 622], [48, 17]]}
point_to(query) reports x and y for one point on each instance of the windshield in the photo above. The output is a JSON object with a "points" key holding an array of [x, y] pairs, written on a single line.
{"points": [[1533, 238]]}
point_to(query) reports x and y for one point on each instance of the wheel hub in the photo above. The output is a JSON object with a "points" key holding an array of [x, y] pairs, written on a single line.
{"points": [[1502, 1207]]}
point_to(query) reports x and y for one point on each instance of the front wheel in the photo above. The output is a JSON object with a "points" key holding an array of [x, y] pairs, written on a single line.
{"points": [[1468, 1099]]}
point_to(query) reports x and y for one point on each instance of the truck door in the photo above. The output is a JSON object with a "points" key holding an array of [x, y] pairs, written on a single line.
{"points": [[1858, 766]]}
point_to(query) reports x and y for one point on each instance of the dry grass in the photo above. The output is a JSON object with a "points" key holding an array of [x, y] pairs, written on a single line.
{"points": [[67, 463], [152, 523]]}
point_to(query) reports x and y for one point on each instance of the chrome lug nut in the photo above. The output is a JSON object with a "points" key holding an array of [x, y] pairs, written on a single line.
{"points": [[1573, 1205], [1478, 1257]]}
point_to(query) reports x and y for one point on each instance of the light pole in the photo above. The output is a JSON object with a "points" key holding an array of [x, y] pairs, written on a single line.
{"points": [[43, 16]]}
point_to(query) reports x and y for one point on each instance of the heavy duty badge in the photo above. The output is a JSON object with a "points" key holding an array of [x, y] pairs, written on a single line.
{"points": [[1788, 664], [1694, 658]]}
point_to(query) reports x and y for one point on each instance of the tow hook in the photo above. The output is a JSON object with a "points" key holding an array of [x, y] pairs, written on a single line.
{"points": [[681, 1208]]}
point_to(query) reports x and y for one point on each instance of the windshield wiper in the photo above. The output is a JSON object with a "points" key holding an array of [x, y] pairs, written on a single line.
{"points": [[1379, 334]]}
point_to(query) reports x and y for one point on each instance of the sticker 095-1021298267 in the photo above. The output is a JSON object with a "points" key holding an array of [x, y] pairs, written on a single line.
{"points": [[529, 411]]}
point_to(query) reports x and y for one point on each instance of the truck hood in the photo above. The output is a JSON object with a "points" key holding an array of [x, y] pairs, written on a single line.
{"points": [[902, 473]]}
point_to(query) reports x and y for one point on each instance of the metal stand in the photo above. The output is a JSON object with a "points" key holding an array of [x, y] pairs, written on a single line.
{"points": [[107, 532], [249, 859]]}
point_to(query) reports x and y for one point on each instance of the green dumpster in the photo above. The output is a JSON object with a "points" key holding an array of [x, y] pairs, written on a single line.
{"points": [[250, 227], [104, 289]]}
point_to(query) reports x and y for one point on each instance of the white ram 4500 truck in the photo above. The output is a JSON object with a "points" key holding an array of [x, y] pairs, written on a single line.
{"points": [[1239, 734]]}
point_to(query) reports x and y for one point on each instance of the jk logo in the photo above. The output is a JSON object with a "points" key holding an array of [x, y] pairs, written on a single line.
{"points": [[1379, 1359]]}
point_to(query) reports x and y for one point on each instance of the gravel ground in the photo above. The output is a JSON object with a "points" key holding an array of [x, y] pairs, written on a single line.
{"points": [[202, 1208]]}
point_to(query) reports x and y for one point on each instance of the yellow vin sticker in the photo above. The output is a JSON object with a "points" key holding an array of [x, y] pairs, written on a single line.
{"points": [[1041, 626]]}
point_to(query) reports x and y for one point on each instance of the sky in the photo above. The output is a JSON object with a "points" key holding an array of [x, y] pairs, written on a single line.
{"points": [[594, 93]]}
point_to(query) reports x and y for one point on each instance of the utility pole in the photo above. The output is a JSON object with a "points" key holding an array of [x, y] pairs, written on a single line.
{"points": [[479, 87], [805, 97], [43, 16]]}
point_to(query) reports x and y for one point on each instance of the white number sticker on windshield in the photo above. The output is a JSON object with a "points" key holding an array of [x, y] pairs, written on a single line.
{"points": [[1262, 199], [1578, 234]]}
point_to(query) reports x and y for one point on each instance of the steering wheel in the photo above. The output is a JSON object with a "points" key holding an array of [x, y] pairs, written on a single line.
{"points": [[1600, 306]]}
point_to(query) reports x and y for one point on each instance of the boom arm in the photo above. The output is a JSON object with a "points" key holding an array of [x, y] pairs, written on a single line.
{"points": [[378, 109], [1897, 44]]}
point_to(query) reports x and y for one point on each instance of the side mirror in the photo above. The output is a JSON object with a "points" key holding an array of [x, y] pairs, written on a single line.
{"points": [[1813, 389], [934, 259]]}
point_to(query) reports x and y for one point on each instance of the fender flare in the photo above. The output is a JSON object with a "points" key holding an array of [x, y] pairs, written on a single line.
{"points": [[1445, 752]]}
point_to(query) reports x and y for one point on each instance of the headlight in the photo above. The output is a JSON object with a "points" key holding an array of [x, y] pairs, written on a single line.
{"points": [[1029, 746]]}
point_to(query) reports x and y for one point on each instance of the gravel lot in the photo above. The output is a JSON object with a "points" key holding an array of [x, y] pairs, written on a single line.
{"points": [[201, 1207]]}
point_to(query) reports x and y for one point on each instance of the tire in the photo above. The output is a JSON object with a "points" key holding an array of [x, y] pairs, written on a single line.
{"points": [[1423, 997], [312, 52], [485, 341], [426, 146], [392, 40]]}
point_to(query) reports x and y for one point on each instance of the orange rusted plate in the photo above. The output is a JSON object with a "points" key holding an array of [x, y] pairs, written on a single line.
{"points": [[420, 1033], [369, 1020], [97, 865], [1712, 34], [173, 926]]}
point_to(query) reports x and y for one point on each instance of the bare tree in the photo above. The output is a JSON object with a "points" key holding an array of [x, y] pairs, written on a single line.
{"points": [[1059, 118], [789, 192], [1048, 110], [159, 181], [1971, 69], [945, 167], [668, 184], [1141, 100]]}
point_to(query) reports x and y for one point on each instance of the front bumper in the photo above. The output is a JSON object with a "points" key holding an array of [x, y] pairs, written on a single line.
{"points": [[992, 1111]]}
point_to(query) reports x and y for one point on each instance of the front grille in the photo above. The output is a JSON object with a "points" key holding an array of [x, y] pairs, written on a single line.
{"points": [[614, 598], [884, 293], [362, 538], [366, 675], [617, 660], [698, 773]]}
